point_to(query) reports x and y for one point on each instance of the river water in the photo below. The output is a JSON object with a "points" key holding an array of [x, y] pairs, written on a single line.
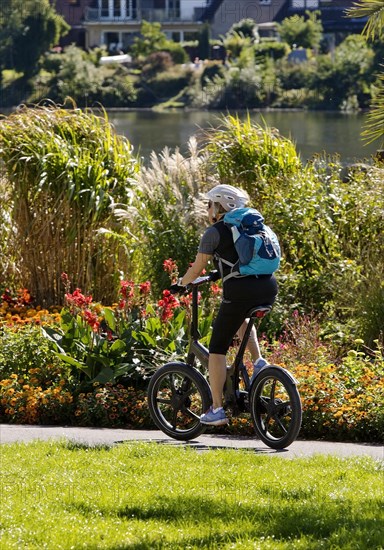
{"points": [[312, 132]]}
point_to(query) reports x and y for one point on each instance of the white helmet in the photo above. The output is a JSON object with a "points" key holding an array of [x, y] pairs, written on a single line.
{"points": [[228, 196]]}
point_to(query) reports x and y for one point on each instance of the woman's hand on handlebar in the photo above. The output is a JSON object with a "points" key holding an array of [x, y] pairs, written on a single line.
{"points": [[178, 289]]}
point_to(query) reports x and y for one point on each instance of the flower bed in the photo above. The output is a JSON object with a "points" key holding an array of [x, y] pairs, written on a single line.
{"points": [[342, 397]]}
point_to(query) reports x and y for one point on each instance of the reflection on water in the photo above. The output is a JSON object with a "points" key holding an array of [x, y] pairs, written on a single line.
{"points": [[312, 132]]}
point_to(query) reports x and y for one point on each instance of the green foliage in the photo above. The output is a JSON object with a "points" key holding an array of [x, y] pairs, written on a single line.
{"points": [[28, 28], [373, 30], [346, 73], [246, 27], [66, 169], [297, 75], [77, 75], [8, 252], [167, 214], [24, 349], [177, 52], [302, 32], [203, 46], [374, 125], [251, 156], [151, 39], [373, 10], [210, 71], [235, 44], [98, 356], [274, 50]]}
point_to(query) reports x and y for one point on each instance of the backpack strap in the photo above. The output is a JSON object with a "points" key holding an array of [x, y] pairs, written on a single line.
{"points": [[234, 268]]}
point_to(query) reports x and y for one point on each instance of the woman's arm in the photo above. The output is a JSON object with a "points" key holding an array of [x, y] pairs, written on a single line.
{"points": [[196, 268]]}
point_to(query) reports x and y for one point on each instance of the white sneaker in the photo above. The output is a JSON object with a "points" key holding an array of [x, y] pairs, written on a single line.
{"points": [[257, 366]]}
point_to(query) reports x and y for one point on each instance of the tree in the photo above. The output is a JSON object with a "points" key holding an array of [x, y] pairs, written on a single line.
{"points": [[28, 29], [151, 39], [302, 32], [345, 74], [246, 28], [373, 30]]}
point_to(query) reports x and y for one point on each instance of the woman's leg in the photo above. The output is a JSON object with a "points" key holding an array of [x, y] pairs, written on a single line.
{"points": [[217, 367], [253, 343]]}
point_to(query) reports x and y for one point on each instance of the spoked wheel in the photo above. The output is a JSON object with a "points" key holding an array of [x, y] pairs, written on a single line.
{"points": [[177, 395], [275, 407]]}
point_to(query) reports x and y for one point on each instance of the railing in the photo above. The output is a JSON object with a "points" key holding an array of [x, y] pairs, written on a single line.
{"points": [[151, 15]]}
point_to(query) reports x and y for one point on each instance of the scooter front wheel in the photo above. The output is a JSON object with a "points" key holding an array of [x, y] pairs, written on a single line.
{"points": [[178, 395]]}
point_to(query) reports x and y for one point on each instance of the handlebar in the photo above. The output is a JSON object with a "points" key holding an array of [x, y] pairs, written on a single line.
{"points": [[200, 281]]}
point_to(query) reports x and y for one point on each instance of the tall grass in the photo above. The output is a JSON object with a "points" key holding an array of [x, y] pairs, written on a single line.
{"points": [[67, 168], [252, 156], [149, 496]]}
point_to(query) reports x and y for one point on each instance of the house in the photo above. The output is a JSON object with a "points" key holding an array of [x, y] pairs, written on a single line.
{"points": [[223, 13], [115, 23]]}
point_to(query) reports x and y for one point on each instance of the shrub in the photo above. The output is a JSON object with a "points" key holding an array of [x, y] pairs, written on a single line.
{"points": [[24, 348], [274, 50], [35, 387], [24, 402], [168, 84], [112, 406]]}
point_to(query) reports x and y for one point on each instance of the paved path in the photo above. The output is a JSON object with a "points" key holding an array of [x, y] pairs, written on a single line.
{"points": [[97, 436]]}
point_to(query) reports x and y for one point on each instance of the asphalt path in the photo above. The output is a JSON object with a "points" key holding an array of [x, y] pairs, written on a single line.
{"points": [[105, 436]]}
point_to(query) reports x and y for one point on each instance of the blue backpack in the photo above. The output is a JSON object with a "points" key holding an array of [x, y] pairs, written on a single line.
{"points": [[256, 244]]}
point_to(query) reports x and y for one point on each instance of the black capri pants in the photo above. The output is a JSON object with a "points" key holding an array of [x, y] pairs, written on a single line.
{"points": [[239, 296]]}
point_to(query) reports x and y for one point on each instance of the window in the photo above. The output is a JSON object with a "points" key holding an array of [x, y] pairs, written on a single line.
{"points": [[305, 4], [265, 2], [104, 8], [117, 9]]}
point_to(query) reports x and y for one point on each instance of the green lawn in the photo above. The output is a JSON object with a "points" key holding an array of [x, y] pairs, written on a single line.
{"points": [[60, 495]]}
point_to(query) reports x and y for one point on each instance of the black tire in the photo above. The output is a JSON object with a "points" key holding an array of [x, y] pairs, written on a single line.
{"points": [[177, 395], [275, 407]]}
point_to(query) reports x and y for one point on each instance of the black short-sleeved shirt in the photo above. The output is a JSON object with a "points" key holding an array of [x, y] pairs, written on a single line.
{"points": [[217, 240], [239, 293]]}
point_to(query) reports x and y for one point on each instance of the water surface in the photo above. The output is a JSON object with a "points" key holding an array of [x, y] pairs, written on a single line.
{"points": [[312, 132]]}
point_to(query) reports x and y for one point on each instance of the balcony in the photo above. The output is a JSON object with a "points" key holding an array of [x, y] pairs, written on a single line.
{"points": [[152, 15]]}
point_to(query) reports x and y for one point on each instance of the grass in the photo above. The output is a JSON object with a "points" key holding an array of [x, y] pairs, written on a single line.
{"points": [[62, 495]]}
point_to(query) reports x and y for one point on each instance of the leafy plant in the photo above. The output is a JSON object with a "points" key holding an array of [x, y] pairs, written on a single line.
{"points": [[93, 340], [299, 31]]}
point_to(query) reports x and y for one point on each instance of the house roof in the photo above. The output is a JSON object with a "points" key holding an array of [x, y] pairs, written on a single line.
{"points": [[333, 18], [209, 12]]}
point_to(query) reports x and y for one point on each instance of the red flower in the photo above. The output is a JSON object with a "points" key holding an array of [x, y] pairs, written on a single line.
{"points": [[91, 319], [215, 289], [167, 305], [127, 289], [78, 299], [145, 288], [186, 300], [169, 266]]}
